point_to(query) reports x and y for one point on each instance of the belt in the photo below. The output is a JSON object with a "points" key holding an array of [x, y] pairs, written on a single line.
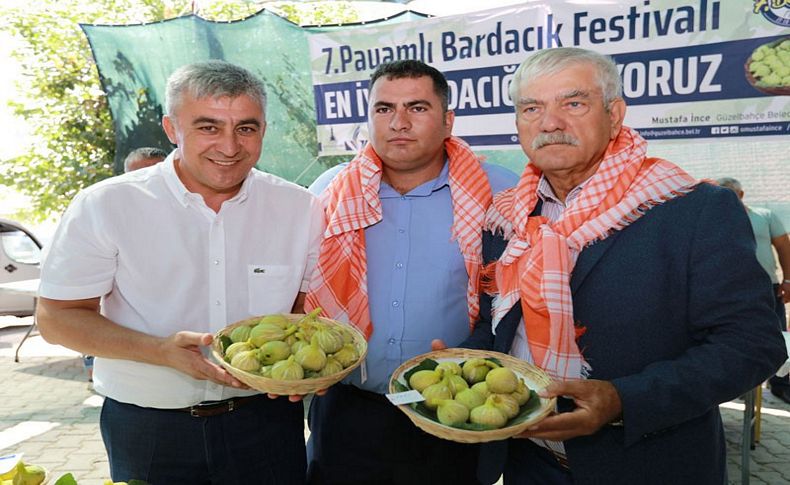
{"points": [[215, 408]]}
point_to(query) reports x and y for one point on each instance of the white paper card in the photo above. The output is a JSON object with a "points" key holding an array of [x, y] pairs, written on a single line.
{"points": [[406, 397]]}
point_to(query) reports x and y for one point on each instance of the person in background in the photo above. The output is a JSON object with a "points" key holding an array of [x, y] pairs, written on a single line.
{"points": [[143, 157], [613, 271], [769, 231], [400, 260], [135, 160], [147, 266]]}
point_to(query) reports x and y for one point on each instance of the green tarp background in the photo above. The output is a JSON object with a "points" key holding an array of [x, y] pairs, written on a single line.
{"points": [[134, 62]]}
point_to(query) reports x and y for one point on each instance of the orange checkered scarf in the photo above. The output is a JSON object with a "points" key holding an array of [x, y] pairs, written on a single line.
{"points": [[351, 203], [537, 263]]}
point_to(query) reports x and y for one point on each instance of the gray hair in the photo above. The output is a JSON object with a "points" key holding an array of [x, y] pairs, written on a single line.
{"points": [[551, 61], [143, 153], [214, 78], [730, 183]]}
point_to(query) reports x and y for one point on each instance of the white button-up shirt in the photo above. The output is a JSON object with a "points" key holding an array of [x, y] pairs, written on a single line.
{"points": [[162, 261]]}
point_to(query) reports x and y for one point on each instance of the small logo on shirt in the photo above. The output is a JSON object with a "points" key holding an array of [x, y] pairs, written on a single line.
{"points": [[259, 270]]}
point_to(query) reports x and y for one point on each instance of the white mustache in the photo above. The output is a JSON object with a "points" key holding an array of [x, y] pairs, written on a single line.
{"points": [[544, 139]]}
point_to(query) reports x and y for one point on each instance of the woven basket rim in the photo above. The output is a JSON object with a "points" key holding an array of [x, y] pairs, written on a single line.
{"points": [[531, 373], [301, 386]]}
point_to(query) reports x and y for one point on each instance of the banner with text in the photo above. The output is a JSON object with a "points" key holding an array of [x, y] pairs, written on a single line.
{"points": [[690, 69]]}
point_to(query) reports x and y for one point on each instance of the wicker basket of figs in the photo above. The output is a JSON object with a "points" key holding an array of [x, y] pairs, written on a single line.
{"points": [[289, 353], [472, 396]]}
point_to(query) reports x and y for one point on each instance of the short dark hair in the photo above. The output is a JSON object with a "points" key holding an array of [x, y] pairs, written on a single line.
{"points": [[413, 69], [143, 153]]}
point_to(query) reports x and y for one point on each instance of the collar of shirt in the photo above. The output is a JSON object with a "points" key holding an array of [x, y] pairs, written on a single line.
{"points": [[183, 195], [553, 207], [423, 190]]}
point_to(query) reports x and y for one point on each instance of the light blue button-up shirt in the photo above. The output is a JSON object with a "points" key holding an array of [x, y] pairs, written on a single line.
{"points": [[416, 274]]}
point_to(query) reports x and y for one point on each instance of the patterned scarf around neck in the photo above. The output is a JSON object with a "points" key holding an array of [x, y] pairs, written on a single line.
{"points": [[351, 203], [537, 263]]}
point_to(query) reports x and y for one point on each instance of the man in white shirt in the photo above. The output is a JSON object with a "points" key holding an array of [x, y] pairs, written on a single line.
{"points": [[145, 267]]}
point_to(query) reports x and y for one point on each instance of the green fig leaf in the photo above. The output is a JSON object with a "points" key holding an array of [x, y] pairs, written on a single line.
{"points": [[224, 342], [427, 364], [400, 387], [67, 479]]}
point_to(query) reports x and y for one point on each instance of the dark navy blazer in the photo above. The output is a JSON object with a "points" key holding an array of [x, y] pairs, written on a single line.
{"points": [[678, 317]]}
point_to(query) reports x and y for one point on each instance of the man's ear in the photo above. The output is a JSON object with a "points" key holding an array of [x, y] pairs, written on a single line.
{"points": [[170, 130], [616, 116], [449, 119]]}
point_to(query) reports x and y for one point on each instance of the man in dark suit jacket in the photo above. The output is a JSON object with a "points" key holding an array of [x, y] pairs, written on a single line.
{"points": [[634, 285]]}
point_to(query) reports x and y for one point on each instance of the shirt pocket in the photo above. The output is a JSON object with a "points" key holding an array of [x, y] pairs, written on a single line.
{"points": [[272, 288]]}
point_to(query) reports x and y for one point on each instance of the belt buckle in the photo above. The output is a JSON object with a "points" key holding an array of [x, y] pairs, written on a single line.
{"points": [[195, 411]]}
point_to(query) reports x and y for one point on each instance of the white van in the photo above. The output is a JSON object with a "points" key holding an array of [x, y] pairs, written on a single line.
{"points": [[20, 257]]}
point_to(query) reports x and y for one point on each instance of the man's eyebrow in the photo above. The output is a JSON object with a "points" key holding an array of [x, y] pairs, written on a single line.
{"points": [[415, 102], [213, 121], [249, 121], [206, 119], [407, 104], [576, 93]]}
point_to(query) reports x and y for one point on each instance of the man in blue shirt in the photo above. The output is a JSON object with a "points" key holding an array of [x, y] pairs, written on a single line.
{"points": [[404, 224]]}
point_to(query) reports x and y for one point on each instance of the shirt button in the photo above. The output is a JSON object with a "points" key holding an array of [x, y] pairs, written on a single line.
{"points": [[216, 262], [402, 198], [395, 303], [401, 231], [392, 341], [218, 303], [399, 265]]}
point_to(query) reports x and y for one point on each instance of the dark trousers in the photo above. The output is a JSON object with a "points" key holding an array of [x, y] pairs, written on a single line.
{"points": [[260, 442], [530, 464], [779, 384], [358, 437]]}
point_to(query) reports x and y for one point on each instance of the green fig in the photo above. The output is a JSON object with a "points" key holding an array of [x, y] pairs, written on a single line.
{"points": [[329, 339], [311, 357], [332, 367], [488, 415], [481, 388], [240, 333], [273, 351], [287, 370], [246, 360], [501, 381], [347, 355], [470, 398], [276, 319], [475, 370], [452, 413], [436, 393], [265, 332], [449, 366], [235, 348], [521, 394], [505, 403], [348, 337], [456, 383], [421, 379], [28, 474], [298, 345]]}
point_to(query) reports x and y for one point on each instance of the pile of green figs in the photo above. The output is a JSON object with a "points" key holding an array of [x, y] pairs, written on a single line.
{"points": [[279, 348], [770, 64], [478, 391]]}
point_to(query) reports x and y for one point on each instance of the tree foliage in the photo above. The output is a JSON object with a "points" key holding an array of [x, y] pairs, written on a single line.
{"points": [[61, 99]]}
